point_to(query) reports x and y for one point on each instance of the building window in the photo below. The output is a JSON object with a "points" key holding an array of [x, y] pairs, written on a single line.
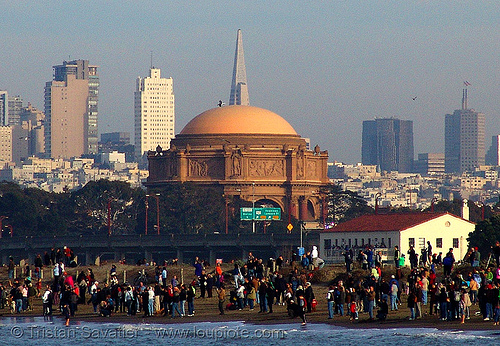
{"points": [[362, 242], [356, 242], [455, 243], [336, 242], [328, 244], [369, 241], [439, 243], [389, 240], [349, 242], [382, 243], [421, 243], [411, 242]]}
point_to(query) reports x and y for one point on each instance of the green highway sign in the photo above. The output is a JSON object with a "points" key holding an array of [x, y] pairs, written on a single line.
{"points": [[246, 213], [260, 213], [267, 213]]}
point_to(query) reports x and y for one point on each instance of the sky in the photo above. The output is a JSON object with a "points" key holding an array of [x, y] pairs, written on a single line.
{"points": [[325, 66]]}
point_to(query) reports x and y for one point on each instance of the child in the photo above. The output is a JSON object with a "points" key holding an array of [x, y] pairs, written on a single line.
{"points": [[353, 310]]}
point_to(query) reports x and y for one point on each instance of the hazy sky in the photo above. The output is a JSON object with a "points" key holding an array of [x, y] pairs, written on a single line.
{"points": [[325, 66]]}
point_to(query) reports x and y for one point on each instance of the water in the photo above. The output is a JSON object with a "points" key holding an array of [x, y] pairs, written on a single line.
{"points": [[31, 330]]}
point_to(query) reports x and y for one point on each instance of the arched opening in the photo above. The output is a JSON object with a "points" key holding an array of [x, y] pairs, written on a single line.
{"points": [[311, 212]]}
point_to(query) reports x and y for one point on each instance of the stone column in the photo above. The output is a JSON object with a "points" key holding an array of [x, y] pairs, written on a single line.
{"points": [[212, 257], [293, 204], [303, 208], [180, 256], [89, 258]]}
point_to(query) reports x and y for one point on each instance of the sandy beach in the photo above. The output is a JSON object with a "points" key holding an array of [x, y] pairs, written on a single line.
{"points": [[207, 311]]}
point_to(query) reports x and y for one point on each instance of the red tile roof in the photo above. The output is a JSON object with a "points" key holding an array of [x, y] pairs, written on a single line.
{"points": [[385, 222]]}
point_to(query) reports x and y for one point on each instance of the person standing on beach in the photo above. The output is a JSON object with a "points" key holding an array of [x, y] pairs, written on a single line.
{"points": [[394, 289], [203, 284], [129, 297], [496, 252], [221, 295], [448, 263], [309, 295], [262, 296], [413, 257], [47, 301], [370, 296], [397, 255], [190, 294], [301, 311], [330, 299], [198, 267]]}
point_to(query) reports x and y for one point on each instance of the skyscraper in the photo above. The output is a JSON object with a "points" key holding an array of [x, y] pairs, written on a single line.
{"points": [[388, 143], [239, 87], [464, 139], [154, 110], [4, 108], [15, 109], [493, 154], [71, 110]]}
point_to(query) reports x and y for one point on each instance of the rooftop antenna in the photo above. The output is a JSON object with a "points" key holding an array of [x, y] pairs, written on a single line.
{"points": [[464, 95], [151, 66]]}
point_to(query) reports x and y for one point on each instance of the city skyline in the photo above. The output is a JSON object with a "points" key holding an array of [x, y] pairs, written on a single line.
{"points": [[324, 67]]}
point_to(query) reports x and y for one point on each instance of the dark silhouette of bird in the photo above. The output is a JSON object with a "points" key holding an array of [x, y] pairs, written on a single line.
{"points": [[414, 98], [220, 104]]}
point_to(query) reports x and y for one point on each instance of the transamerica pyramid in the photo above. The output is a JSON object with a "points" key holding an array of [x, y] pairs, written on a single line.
{"points": [[239, 87]]}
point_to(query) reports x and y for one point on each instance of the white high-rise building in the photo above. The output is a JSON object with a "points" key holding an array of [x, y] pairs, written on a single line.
{"points": [[154, 113]]}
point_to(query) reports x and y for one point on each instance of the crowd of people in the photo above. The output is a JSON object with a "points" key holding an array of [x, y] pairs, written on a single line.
{"points": [[433, 287], [448, 295], [249, 285]]}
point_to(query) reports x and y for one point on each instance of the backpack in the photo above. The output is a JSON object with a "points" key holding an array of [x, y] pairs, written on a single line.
{"points": [[456, 296], [302, 303]]}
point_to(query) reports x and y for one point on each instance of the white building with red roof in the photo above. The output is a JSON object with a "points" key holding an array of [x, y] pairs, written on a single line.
{"points": [[384, 231]]}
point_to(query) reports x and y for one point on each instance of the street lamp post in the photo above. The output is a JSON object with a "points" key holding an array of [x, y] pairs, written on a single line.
{"points": [[377, 197], [253, 207], [109, 217], [1, 228], [146, 218], [155, 196], [226, 202], [11, 230], [301, 225]]}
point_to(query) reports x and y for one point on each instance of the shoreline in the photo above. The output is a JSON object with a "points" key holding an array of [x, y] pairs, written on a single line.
{"points": [[276, 319]]}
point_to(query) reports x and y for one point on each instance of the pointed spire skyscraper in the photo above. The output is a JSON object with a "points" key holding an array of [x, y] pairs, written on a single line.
{"points": [[239, 87]]}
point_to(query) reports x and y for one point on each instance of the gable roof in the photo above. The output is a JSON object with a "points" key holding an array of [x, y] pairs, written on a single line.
{"points": [[387, 222]]}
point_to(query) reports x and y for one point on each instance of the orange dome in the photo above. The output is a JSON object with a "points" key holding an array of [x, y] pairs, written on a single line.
{"points": [[238, 120]]}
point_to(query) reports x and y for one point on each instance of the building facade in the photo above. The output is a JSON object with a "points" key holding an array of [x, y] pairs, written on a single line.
{"points": [[464, 139], [388, 143], [4, 108], [493, 154], [154, 109], [71, 101], [429, 163], [15, 109], [248, 153], [384, 231], [5, 144]]}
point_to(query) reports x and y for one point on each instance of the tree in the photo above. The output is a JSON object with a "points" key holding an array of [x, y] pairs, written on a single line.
{"points": [[189, 208], [345, 205], [455, 207], [92, 203], [485, 235]]}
